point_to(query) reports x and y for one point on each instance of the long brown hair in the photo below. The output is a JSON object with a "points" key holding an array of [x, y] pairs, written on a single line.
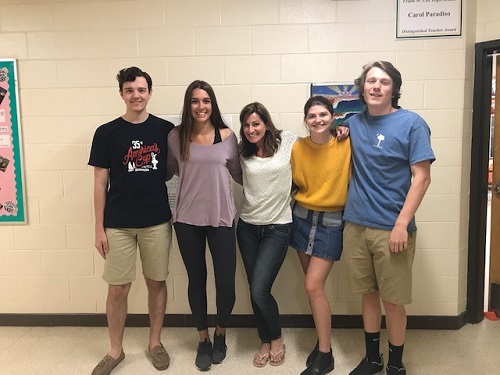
{"points": [[186, 126], [272, 137]]}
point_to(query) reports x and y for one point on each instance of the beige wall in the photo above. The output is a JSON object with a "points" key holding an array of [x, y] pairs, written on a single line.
{"points": [[488, 20], [69, 51]]}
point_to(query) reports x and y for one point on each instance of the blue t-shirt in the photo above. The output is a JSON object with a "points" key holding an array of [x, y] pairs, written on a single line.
{"points": [[383, 149]]}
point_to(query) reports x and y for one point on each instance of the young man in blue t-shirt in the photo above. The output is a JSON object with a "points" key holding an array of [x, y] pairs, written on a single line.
{"points": [[132, 212], [391, 172]]}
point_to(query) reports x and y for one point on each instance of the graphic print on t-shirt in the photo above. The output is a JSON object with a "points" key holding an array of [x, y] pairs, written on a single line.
{"points": [[380, 138], [141, 157]]}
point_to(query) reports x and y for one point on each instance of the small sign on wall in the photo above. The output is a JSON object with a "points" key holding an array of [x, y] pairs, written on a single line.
{"points": [[12, 196], [428, 18]]}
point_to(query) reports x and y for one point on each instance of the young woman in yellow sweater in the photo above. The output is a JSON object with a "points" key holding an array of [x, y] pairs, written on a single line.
{"points": [[321, 167]]}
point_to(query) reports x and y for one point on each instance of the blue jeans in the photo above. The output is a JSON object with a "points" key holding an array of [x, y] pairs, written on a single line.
{"points": [[263, 249]]}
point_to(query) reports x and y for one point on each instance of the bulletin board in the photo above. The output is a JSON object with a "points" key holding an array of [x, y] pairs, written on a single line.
{"points": [[12, 194]]}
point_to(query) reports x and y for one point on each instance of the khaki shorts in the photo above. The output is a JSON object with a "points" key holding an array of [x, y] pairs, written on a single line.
{"points": [[373, 267], [154, 248]]}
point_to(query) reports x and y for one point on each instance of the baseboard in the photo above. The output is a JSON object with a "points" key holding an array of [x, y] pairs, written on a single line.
{"points": [[185, 320]]}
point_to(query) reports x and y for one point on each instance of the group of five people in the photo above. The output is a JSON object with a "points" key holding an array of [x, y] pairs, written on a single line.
{"points": [[355, 192]]}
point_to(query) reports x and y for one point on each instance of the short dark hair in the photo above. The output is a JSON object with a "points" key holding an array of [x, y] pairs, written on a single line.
{"points": [[391, 71], [272, 137], [130, 74], [318, 100]]}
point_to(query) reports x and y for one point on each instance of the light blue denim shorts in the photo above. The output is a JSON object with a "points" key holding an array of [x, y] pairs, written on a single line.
{"points": [[317, 233]]}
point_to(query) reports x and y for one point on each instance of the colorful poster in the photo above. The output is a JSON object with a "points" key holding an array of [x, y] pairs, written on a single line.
{"points": [[344, 98], [12, 197]]}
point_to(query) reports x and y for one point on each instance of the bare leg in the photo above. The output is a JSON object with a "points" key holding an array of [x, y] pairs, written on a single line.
{"points": [[395, 317], [157, 302], [372, 313], [116, 311], [316, 275]]}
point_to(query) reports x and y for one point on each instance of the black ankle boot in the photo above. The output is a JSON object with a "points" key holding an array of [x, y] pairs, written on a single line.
{"points": [[219, 349], [323, 364], [312, 356]]}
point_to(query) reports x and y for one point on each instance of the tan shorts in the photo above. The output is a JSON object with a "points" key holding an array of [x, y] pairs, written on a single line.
{"points": [[154, 248], [373, 267]]}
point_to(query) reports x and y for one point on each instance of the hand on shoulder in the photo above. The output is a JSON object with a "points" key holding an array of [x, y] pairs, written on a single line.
{"points": [[341, 132]]}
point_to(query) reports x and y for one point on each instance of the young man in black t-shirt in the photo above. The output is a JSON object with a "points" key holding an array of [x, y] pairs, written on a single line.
{"points": [[132, 212]]}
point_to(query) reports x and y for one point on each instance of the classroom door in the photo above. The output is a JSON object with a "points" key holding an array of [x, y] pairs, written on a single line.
{"points": [[495, 205]]}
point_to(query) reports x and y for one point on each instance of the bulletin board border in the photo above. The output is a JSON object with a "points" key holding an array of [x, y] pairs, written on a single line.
{"points": [[19, 216]]}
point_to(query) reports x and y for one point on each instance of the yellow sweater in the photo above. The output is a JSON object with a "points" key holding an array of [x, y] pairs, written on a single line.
{"points": [[321, 173]]}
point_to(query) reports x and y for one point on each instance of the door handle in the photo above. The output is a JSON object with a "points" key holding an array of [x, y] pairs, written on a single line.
{"points": [[496, 188]]}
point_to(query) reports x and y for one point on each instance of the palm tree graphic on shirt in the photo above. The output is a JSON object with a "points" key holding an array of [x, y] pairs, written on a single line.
{"points": [[380, 138]]}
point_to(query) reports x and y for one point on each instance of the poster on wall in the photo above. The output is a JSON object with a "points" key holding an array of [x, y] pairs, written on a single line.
{"points": [[12, 196], [344, 98], [428, 18]]}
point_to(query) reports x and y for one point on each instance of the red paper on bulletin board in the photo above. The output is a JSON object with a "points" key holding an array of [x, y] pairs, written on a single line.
{"points": [[12, 196]]}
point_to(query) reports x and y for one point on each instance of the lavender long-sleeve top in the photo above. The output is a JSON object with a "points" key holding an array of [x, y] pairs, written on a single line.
{"points": [[204, 191]]}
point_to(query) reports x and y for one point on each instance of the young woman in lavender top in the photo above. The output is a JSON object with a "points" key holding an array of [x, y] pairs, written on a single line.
{"points": [[203, 153], [263, 229]]}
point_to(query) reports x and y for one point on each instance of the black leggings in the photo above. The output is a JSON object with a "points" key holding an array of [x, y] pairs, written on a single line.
{"points": [[222, 244]]}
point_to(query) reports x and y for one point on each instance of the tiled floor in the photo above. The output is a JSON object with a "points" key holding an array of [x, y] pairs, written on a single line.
{"points": [[474, 349]]}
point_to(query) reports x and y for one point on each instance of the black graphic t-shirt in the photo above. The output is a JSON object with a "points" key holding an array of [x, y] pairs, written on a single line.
{"points": [[135, 155]]}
